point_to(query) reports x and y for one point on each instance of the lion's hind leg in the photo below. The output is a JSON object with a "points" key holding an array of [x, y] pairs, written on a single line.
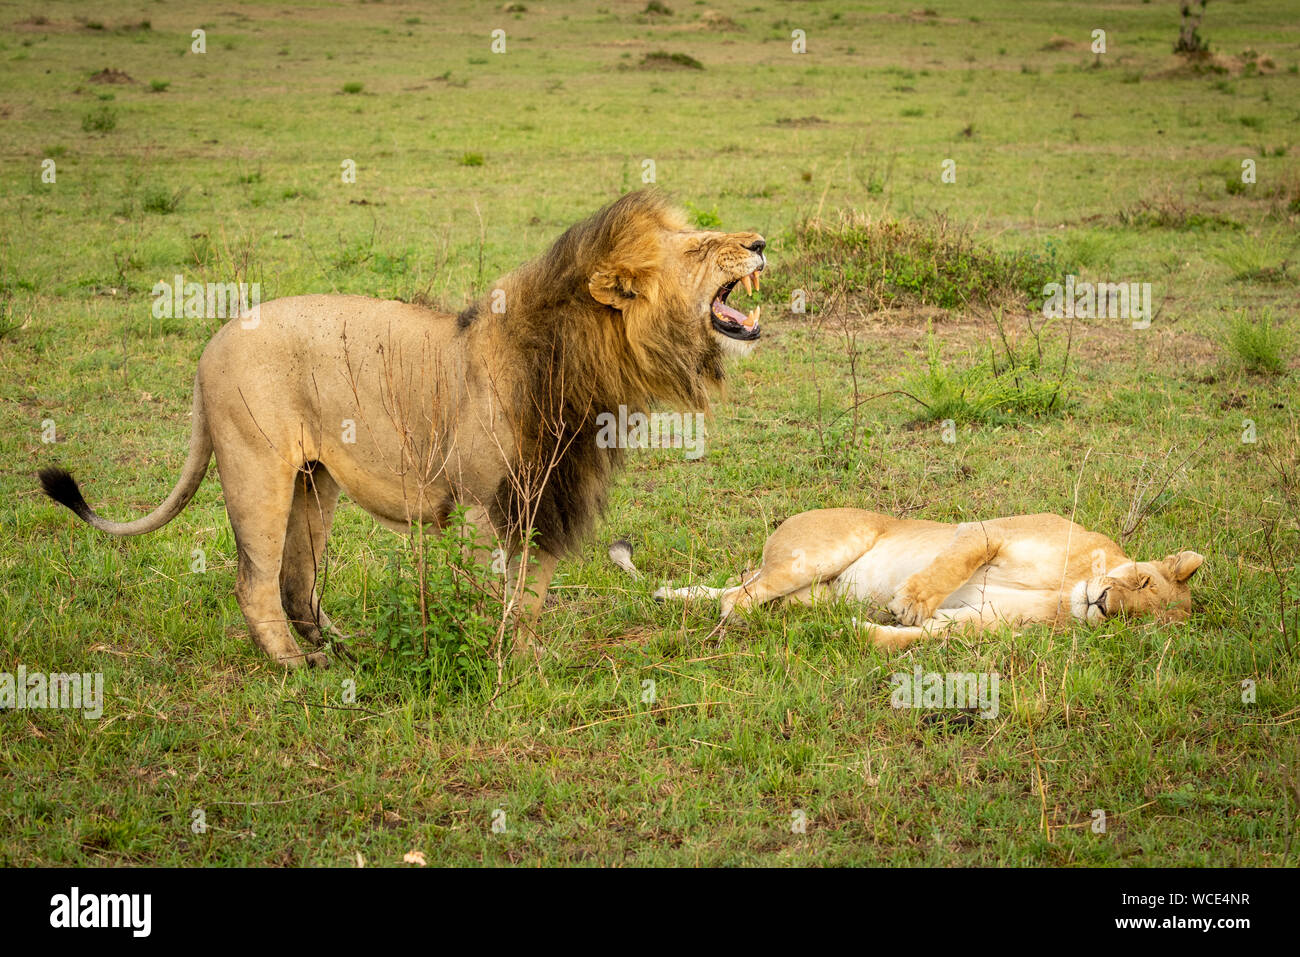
{"points": [[259, 491], [315, 495]]}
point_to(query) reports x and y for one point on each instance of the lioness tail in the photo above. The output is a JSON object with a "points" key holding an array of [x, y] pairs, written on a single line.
{"points": [[620, 553], [59, 484]]}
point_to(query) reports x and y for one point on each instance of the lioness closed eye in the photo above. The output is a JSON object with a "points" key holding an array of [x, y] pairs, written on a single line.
{"points": [[935, 577], [412, 411]]}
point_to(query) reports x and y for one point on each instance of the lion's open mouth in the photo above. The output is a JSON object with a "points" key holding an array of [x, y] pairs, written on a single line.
{"points": [[731, 322]]}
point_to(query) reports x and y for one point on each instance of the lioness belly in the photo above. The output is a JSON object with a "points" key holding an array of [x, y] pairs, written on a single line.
{"points": [[1002, 601], [877, 575], [880, 572]]}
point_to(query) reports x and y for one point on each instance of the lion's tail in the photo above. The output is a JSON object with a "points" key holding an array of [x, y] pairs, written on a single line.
{"points": [[62, 487]]}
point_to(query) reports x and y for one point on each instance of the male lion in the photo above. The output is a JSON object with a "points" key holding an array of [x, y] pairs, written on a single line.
{"points": [[412, 412], [937, 577]]}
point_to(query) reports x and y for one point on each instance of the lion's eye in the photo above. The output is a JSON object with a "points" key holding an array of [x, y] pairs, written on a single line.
{"points": [[1145, 583]]}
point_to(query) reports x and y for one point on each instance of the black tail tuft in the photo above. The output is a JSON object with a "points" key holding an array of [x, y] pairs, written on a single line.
{"points": [[62, 487]]}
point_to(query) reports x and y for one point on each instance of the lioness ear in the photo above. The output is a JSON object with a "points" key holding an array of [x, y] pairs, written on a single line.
{"points": [[612, 290], [1183, 565]]}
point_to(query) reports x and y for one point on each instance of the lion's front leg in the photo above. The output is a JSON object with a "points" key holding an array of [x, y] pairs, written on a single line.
{"points": [[536, 583], [527, 591], [522, 586], [920, 596]]}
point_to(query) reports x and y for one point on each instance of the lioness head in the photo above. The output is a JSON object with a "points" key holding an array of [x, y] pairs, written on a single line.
{"points": [[1139, 588]]}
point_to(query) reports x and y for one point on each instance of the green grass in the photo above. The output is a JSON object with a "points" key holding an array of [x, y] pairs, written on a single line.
{"points": [[1059, 169]]}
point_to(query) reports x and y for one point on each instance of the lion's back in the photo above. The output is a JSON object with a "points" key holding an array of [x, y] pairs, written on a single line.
{"points": [[322, 328]]}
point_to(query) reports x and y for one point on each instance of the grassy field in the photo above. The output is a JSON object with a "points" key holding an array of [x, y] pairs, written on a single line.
{"points": [[1125, 166]]}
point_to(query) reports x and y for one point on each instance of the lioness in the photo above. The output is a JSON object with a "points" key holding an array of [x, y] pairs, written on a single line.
{"points": [[935, 577], [412, 412]]}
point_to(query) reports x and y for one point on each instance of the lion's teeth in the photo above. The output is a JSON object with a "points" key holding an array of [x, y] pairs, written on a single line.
{"points": [[752, 319], [758, 280], [748, 283]]}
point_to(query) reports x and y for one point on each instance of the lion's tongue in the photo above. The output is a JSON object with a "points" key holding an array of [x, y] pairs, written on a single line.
{"points": [[723, 311]]}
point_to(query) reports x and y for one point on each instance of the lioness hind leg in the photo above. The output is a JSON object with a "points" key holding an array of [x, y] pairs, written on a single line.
{"points": [[315, 494], [259, 487], [689, 593], [806, 551], [896, 638]]}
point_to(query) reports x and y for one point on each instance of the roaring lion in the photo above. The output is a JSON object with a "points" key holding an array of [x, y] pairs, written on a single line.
{"points": [[413, 412], [935, 577]]}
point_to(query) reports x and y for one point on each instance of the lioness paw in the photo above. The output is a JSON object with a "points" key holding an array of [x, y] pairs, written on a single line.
{"points": [[911, 609]]}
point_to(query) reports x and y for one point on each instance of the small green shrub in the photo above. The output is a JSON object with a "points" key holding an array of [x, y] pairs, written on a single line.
{"points": [[1190, 42], [353, 87], [911, 263], [1011, 381], [1261, 259], [158, 199], [102, 120], [704, 218], [663, 60], [472, 159], [444, 636], [1258, 343], [1171, 213]]}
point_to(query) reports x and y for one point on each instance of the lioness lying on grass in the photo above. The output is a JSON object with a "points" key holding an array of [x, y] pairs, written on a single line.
{"points": [[936, 577]]}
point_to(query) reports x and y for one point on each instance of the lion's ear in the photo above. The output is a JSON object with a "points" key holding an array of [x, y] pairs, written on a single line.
{"points": [[1183, 565], [612, 290]]}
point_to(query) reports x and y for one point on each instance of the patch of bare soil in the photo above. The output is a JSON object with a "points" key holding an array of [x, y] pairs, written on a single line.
{"points": [[712, 21], [1092, 341], [1063, 43], [1248, 61], [109, 75]]}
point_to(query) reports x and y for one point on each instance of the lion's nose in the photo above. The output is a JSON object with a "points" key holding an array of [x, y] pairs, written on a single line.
{"points": [[757, 246]]}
